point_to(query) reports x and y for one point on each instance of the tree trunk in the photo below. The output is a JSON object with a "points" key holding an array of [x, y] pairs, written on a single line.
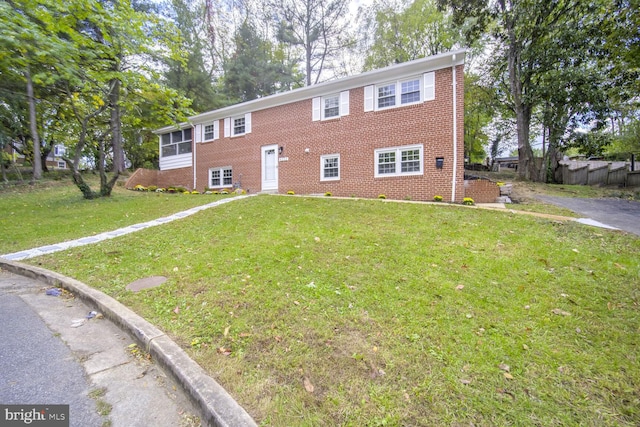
{"points": [[33, 127], [116, 128]]}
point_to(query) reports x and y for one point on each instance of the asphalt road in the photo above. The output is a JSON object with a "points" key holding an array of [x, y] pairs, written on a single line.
{"points": [[46, 359], [37, 368], [618, 213]]}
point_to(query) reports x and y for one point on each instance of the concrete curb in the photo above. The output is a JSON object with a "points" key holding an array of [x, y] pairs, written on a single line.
{"points": [[218, 408]]}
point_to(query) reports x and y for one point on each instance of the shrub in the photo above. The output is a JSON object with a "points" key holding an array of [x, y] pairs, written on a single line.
{"points": [[381, 196], [437, 198], [290, 192], [140, 188], [160, 190], [195, 192], [152, 188], [224, 192], [328, 194], [467, 201]]}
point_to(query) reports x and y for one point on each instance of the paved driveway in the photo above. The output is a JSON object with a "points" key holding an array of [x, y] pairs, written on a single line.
{"points": [[622, 214]]}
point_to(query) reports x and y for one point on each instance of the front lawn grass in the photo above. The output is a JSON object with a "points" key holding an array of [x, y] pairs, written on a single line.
{"points": [[53, 212], [318, 312]]}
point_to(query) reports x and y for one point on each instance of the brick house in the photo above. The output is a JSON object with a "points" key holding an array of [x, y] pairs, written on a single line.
{"points": [[396, 131]]}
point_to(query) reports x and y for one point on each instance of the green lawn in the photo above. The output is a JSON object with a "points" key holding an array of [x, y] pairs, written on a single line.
{"points": [[53, 212], [318, 311]]}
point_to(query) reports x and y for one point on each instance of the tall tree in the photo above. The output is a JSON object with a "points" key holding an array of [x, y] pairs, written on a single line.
{"points": [[193, 77], [101, 48], [526, 34], [316, 26], [257, 68], [402, 32]]}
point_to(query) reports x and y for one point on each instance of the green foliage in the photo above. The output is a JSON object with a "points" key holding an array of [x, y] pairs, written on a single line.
{"points": [[467, 201], [255, 70], [437, 198], [404, 33], [591, 144], [479, 111]]}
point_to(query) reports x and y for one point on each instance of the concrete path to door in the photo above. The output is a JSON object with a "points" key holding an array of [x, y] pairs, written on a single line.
{"points": [[616, 213]]}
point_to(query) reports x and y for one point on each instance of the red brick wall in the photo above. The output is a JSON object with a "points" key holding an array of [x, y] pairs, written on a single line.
{"points": [[145, 177], [354, 137], [482, 190]]}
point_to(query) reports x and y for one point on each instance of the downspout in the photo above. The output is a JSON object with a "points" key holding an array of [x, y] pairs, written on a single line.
{"points": [[195, 144], [455, 132]]}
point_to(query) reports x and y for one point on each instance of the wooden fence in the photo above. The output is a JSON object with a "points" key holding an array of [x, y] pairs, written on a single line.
{"points": [[598, 172]]}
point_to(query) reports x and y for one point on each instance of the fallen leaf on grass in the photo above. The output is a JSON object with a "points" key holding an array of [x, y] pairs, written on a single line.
{"points": [[560, 312], [465, 382], [307, 385], [619, 266], [226, 331], [507, 392], [508, 376], [504, 367], [224, 351], [459, 287], [176, 310]]}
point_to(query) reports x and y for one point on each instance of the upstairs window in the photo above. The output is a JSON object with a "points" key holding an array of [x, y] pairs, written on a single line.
{"points": [[387, 96], [410, 91], [238, 126], [209, 132], [177, 142], [402, 92], [331, 107]]}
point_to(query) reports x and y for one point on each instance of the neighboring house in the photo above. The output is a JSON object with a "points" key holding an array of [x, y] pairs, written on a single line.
{"points": [[54, 158], [396, 131]]}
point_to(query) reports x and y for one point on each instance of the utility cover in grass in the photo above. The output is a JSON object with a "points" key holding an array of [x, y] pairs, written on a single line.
{"points": [[147, 282]]}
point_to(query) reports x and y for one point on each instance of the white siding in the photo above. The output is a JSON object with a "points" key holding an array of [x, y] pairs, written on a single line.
{"points": [[176, 162]]}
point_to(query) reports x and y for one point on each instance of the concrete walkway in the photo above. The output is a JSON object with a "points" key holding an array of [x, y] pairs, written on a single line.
{"points": [[43, 250]]}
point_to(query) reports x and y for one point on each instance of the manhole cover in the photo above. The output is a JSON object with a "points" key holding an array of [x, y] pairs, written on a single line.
{"points": [[147, 282]]}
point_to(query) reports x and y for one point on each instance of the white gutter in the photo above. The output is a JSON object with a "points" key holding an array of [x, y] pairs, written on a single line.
{"points": [[455, 132]]}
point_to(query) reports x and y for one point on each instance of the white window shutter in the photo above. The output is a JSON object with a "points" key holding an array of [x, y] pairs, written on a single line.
{"points": [[227, 127], [197, 134], [344, 103], [429, 86], [247, 123], [368, 98], [216, 129], [315, 109]]}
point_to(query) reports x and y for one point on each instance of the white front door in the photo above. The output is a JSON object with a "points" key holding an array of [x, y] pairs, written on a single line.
{"points": [[269, 167]]}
